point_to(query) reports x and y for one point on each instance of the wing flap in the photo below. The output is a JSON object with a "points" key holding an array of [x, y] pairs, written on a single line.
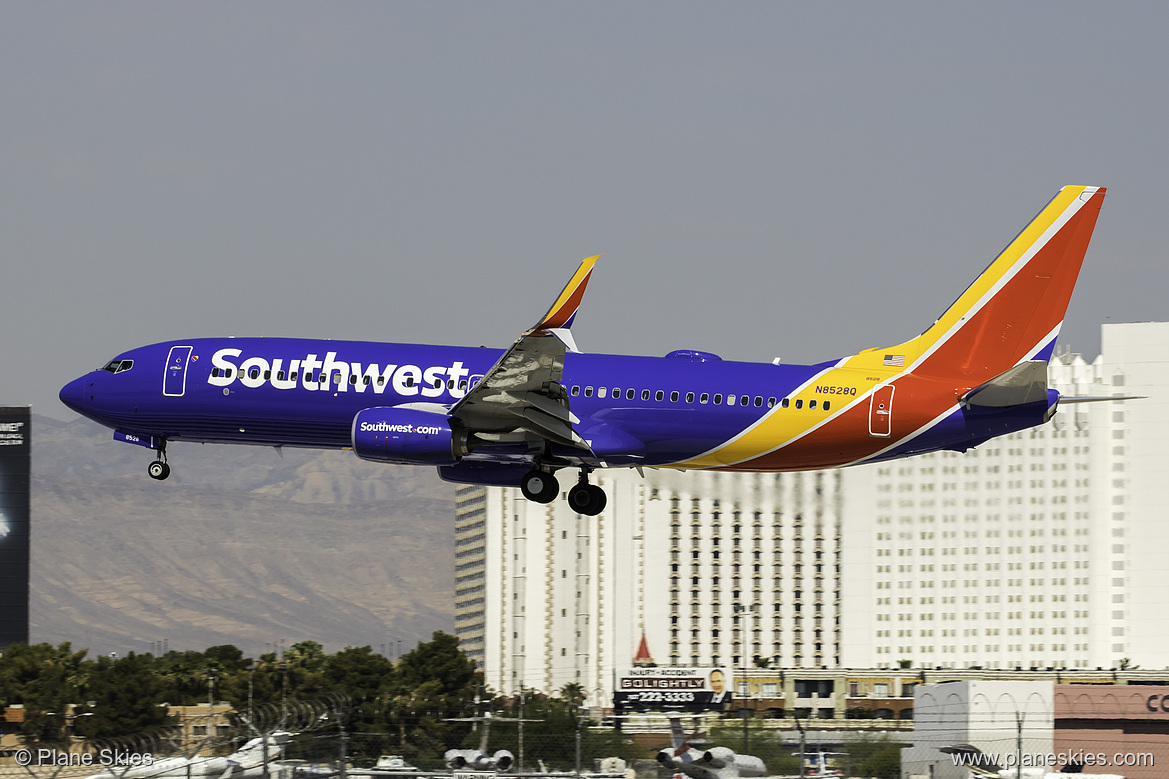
{"points": [[522, 391]]}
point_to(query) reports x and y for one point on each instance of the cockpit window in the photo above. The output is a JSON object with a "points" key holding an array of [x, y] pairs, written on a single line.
{"points": [[118, 366]]}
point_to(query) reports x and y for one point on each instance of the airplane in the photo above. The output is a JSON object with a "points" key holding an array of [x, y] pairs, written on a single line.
{"points": [[480, 759], [713, 763], [248, 762], [516, 416]]}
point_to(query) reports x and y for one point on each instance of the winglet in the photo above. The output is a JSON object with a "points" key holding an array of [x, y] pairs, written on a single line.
{"points": [[563, 311]]}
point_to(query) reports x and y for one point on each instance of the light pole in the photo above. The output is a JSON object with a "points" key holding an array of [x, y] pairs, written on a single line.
{"points": [[578, 721], [251, 671], [744, 687], [1019, 743], [803, 744], [211, 674]]}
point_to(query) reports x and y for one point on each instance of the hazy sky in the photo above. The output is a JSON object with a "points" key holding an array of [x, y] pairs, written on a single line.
{"points": [[765, 179]]}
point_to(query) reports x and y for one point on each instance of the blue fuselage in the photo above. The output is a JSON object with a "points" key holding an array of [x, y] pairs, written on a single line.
{"points": [[650, 411]]}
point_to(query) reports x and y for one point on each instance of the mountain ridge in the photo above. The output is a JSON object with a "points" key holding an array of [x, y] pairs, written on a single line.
{"points": [[241, 545]]}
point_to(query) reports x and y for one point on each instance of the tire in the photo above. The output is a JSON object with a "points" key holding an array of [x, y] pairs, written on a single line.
{"points": [[539, 486], [158, 470], [587, 499], [580, 498]]}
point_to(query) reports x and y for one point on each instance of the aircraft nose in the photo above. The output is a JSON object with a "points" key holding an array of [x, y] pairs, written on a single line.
{"points": [[76, 395]]}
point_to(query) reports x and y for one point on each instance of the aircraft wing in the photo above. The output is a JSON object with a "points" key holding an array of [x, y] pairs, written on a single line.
{"points": [[522, 394]]}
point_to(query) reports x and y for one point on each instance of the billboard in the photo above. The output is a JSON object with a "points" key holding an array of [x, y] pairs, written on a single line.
{"points": [[14, 524], [672, 689]]}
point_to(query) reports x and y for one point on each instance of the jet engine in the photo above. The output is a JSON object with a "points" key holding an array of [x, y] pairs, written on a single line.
{"points": [[408, 436], [458, 759]]}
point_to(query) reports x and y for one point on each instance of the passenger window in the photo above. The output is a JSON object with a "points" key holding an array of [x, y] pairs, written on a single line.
{"points": [[279, 375], [758, 401], [353, 378], [659, 395], [718, 398], [409, 381], [575, 390], [689, 397], [450, 384], [601, 391], [267, 375], [254, 373], [645, 394], [367, 380], [730, 400], [214, 372], [381, 380], [771, 402], [799, 404], [438, 383], [588, 392], [295, 374], [744, 400], [463, 384], [630, 394], [827, 404], [674, 396], [616, 393], [784, 403], [704, 397], [811, 404]]}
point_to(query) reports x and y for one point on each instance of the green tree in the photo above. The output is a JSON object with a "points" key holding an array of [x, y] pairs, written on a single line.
{"points": [[875, 757], [129, 697], [359, 673], [439, 660], [45, 680]]}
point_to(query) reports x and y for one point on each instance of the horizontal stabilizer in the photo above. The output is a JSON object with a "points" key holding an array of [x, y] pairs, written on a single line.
{"points": [[1025, 383], [1097, 398]]}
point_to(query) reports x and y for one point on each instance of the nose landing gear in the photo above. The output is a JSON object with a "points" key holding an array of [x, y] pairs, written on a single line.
{"points": [[159, 469]]}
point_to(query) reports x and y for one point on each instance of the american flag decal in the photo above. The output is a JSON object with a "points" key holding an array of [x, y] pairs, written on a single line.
{"points": [[896, 360]]}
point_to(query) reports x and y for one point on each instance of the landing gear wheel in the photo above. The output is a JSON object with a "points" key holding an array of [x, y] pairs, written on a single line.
{"points": [[587, 499], [159, 470], [539, 486]]}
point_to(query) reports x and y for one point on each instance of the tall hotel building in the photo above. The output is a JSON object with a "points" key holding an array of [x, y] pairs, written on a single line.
{"points": [[1043, 548], [714, 569], [1040, 549]]}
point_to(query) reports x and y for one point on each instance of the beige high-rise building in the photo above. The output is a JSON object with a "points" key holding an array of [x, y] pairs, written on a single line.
{"points": [[712, 568]]}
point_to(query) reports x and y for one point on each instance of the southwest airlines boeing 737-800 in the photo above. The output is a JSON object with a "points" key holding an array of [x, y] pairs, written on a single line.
{"points": [[516, 416]]}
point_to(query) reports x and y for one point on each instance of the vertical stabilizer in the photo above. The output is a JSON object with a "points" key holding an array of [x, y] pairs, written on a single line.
{"points": [[1013, 311]]}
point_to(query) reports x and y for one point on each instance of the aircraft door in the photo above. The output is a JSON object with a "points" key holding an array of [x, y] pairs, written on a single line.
{"points": [[881, 411], [174, 380]]}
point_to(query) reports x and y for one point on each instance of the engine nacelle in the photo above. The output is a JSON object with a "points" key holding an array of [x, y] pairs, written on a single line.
{"points": [[473, 759], [503, 760], [406, 435]]}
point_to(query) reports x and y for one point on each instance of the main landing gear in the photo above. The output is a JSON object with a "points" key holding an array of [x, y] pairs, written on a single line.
{"points": [[585, 498], [159, 469], [541, 486]]}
